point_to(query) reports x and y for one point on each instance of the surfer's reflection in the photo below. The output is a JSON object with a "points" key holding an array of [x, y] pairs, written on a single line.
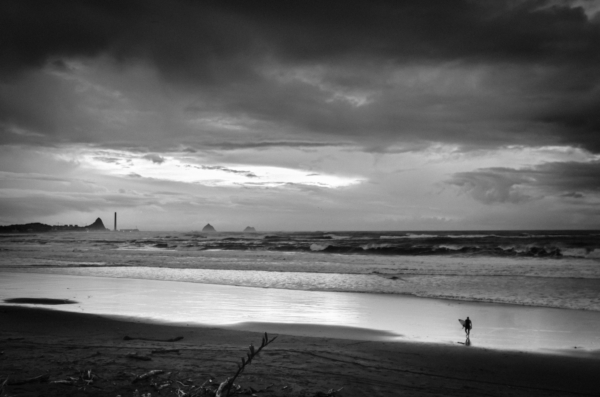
{"points": [[468, 342]]}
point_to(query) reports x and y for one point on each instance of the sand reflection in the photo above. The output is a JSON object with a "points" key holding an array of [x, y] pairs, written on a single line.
{"points": [[392, 316]]}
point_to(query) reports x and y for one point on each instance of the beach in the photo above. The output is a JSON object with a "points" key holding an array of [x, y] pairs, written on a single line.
{"points": [[64, 346], [382, 198], [87, 314], [382, 317]]}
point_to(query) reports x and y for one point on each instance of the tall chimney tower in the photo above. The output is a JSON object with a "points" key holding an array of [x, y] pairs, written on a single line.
{"points": [[115, 221]]}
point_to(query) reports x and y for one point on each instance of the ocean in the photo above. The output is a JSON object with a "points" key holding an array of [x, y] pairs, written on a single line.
{"points": [[558, 269], [351, 279]]}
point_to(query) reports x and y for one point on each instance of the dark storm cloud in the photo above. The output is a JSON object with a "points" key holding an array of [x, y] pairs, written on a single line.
{"points": [[34, 31], [36, 204], [433, 30], [183, 34], [178, 36], [578, 117], [492, 186], [155, 158], [573, 195], [508, 185], [13, 176], [269, 144], [223, 46], [110, 160]]}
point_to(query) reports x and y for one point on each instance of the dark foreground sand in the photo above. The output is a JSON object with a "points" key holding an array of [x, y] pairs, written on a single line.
{"points": [[75, 348]]}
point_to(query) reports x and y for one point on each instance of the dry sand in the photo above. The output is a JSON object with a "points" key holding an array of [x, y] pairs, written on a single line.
{"points": [[71, 347]]}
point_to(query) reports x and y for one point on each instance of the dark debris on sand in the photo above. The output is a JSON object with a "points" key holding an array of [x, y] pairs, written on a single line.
{"points": [[64, 369], [41, 301]]}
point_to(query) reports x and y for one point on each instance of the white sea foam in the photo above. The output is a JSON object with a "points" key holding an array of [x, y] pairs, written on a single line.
{"points": [[337, 237], [408, 235], [581, 253], [374, 246], [452, 247]]}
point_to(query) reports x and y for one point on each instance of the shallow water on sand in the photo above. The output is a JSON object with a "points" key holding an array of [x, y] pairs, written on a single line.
{"points": [[401, 317]]}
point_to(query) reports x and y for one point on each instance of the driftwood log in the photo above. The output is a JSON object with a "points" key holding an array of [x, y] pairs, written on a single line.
{"points": [[176, 339]]}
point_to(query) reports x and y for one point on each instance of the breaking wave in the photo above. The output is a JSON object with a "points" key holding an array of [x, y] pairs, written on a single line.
{"points": [[546, 244]]}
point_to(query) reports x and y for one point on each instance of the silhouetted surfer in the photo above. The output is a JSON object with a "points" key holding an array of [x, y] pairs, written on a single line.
{"points": [[468, 326]]}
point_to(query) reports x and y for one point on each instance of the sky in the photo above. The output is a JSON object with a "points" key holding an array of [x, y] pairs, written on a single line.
{"points": [[301, 115]]}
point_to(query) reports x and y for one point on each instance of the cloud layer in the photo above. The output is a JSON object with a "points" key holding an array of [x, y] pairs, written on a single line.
{"points": [[500, 185], [380, 73], [387, 94]]}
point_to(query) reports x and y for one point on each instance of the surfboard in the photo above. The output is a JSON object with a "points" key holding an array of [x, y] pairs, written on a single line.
{"points": [[462, 322]]}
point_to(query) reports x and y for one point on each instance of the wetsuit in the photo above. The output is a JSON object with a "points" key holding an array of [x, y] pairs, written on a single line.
{"points": [[468, 326]]}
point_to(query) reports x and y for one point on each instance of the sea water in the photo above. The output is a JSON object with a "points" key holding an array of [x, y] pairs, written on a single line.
{"points": [[558, 269], [531, 270]]}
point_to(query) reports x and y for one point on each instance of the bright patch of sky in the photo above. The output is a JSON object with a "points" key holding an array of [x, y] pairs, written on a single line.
{"points": [[170, 168]]}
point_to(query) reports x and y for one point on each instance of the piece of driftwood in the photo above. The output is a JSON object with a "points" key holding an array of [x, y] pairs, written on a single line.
{"points": [[330, 393], [224, 389], [163, 351], [148, 374], [67, 382], [41, 378], [161, 386], [176, 339], [136, 356]]}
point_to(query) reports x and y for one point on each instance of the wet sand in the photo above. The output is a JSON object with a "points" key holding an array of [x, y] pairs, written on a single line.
{"points": [[74, 348], [394, 317]]}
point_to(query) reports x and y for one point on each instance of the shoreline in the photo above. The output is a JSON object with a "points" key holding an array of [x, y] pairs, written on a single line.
{"points": [[303, 330], [456, 300], [63, 345], [387, 317], [225, 269]]}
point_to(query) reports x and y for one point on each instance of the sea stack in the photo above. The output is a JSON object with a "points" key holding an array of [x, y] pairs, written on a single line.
{"points": [[249, 229], [97, 225], [208, 228]]}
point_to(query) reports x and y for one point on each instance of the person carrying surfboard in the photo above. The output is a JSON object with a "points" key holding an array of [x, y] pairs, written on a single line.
{"points": [[468, 325]]}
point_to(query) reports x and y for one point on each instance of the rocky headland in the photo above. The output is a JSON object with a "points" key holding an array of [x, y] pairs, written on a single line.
{"points": [[38, 227]]}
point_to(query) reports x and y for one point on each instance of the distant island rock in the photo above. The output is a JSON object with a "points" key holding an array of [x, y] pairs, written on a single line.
{"points": [[249, 229], [97, 225], [37, 227], [208, 228]]}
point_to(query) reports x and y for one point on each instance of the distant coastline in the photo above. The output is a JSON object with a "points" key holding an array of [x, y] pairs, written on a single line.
{"points": [[37, 227]]}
